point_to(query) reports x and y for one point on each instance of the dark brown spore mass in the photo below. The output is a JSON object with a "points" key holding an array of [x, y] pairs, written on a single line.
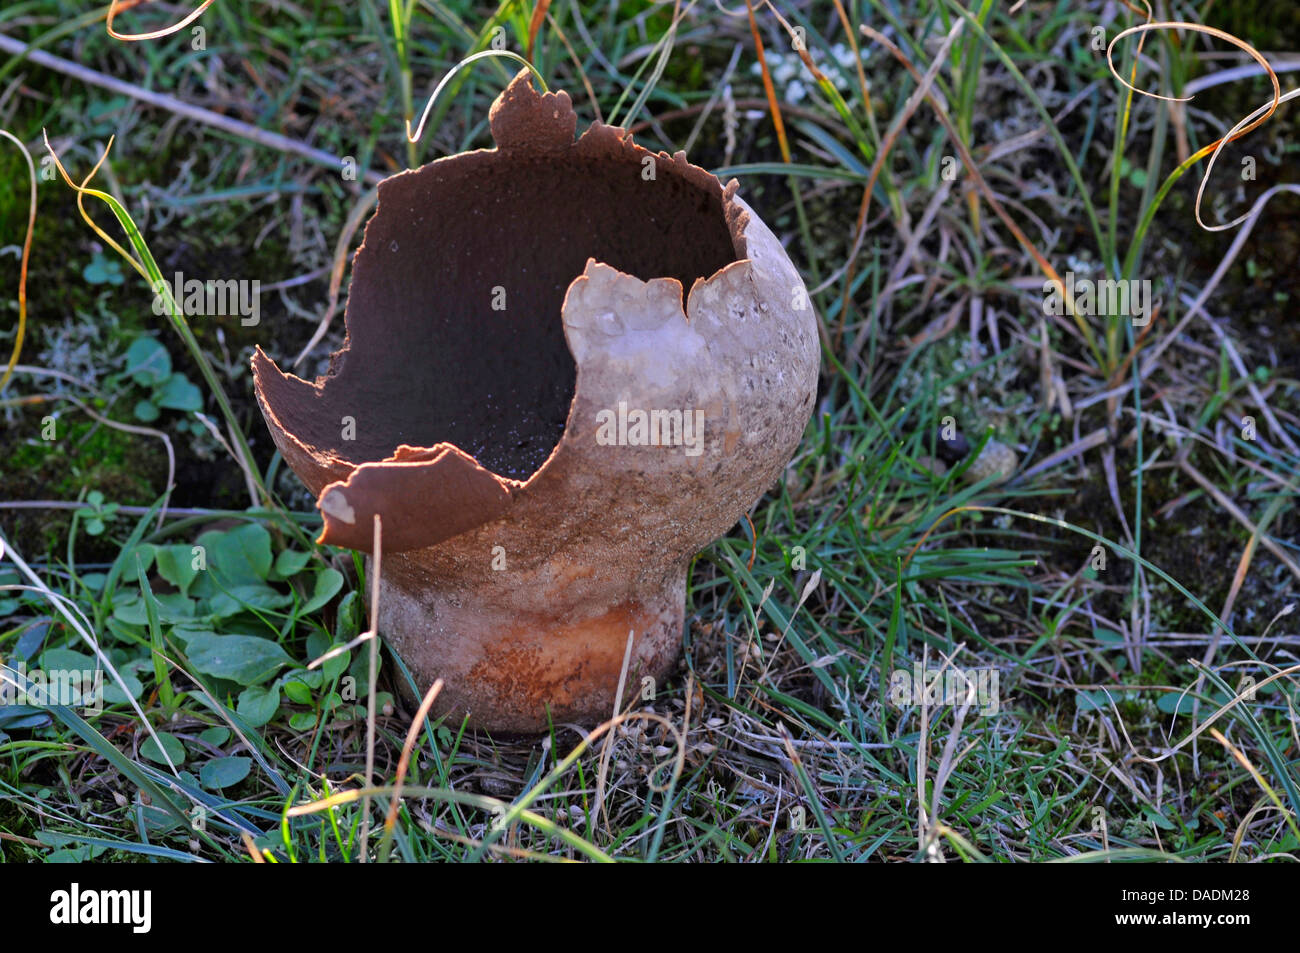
{"points": [[459, 287]]}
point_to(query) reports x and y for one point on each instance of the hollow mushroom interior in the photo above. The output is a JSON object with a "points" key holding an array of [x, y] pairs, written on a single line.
{"points": [[454, 313]]}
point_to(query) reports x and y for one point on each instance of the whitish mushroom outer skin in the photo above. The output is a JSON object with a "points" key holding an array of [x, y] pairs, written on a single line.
{"points": [[596, 543]]}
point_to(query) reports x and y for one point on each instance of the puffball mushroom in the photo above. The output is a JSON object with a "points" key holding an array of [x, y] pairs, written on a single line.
{"points": [[547, 435]]}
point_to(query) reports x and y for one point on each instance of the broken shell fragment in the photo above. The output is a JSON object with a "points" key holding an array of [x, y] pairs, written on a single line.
{"points": [[569, 366]]}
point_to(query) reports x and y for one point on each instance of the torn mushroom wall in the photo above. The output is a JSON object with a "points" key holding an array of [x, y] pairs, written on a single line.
{"points": [[519, 320]]}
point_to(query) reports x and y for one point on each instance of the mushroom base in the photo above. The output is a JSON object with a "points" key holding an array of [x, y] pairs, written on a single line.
{"points": [[508, 665]]}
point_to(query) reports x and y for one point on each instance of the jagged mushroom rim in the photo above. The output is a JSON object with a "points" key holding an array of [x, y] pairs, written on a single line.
{"points": [[427, 495]]}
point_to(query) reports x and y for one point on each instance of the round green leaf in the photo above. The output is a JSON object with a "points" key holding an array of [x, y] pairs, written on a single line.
{"points": [[148, 361], [146, 411], [171, 744], [258, 705], [224, 772], [1175, 703], [179, 394], [215, 736], [328, 583], [290, 562], [1091, 701], [245, 659], [302, 721], [297, 692]]}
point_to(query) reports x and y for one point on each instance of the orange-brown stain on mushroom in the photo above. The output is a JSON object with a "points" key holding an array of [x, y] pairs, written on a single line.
{"points": [[557, 675], [519, 551]]}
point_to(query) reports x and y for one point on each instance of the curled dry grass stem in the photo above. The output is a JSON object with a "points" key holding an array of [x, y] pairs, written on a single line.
{"points": [[1237, 131], [26, 257], [118, 6], [1252, 122], [149, 270], [472, 58]]}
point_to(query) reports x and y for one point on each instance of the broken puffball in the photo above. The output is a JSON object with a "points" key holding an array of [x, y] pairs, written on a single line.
{"points": [[569, 366]]}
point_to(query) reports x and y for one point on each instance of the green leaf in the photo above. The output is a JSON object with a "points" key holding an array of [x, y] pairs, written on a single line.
{"points": [[1158, 819], [348, 625], [239, 556], [290, 563], [336, 666], [130, 609], [176, 565], [113, 694], [302, 721], [245, 659], [242, 598], [258, 705], [148, 362], [297, 692], [328, 583], [1091, 701], [184, 633], [318, 645], [103, 271], [67, 660], [224, 772], [1175, 703], [172, 607], [146, 412], [179, 394], [216, 736], [171, 744], [17, 717]]}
